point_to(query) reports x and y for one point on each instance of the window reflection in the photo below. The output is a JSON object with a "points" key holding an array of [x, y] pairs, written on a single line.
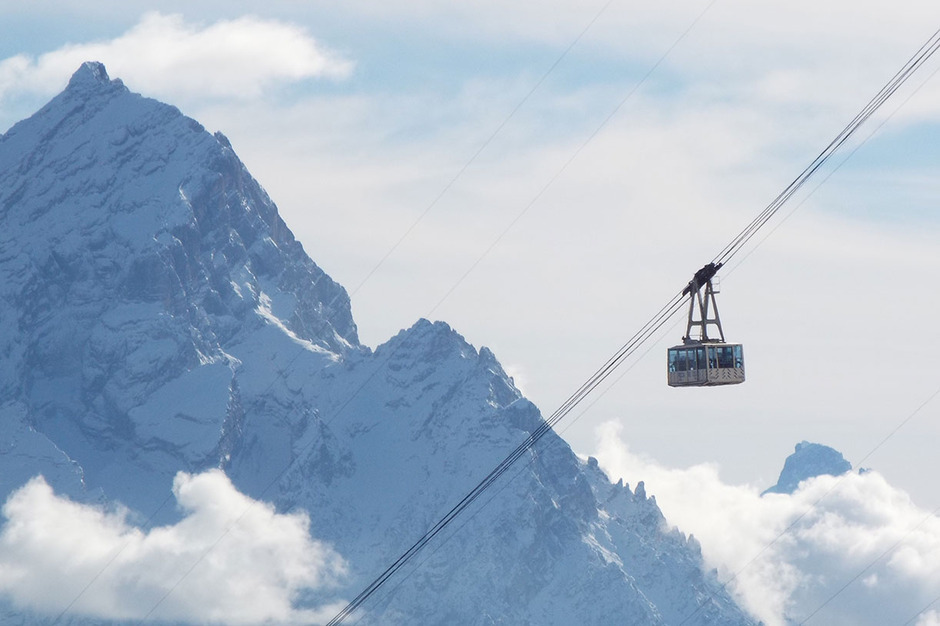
{"points": [[725, 357]]}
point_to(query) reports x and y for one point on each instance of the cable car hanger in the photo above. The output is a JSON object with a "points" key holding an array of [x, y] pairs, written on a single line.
{"points": [[702, 278]]}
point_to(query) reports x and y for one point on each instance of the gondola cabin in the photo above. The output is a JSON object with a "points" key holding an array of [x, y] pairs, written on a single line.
{"points": [[702, 361], [705, 364]]}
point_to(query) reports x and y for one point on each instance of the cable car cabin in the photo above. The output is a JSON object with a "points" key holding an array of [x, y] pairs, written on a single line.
{"points": [[705, 364], [702, 361]]}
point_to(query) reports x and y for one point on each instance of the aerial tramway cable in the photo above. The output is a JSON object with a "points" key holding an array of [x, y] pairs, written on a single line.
{"points": [[870, 565], [913, 64], [925, 52], [813, 506], [628, 349]]}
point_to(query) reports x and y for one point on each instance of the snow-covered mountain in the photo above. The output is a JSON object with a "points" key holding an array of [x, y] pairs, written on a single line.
{"points": [[158, 316], [809, 460]]}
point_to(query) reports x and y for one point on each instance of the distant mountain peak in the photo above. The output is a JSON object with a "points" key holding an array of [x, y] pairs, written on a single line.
{"points": [[808, 461], [90, 74], [102, 175]]}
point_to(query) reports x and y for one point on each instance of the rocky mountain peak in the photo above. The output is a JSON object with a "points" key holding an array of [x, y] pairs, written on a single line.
{"points": [[90, 75], [808, 461]]}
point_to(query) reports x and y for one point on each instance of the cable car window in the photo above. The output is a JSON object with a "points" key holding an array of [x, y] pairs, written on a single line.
{"points": [[673, 357], [725, 357], [683, 361], [738, 356], [712, 358], [700, 355]]}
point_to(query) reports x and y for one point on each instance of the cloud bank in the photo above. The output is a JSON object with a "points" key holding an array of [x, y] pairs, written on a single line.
{"points": [[230, 560], [849, 550], [241, 58]]}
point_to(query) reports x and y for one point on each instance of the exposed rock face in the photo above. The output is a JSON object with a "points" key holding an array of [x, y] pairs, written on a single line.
{"points": [[157, 315]]}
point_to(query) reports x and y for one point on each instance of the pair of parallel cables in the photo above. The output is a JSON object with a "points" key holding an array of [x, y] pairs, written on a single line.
{"points": [[927, 50]]}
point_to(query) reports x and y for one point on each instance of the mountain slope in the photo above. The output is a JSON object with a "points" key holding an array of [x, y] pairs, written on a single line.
{"points": [[158, 316]]}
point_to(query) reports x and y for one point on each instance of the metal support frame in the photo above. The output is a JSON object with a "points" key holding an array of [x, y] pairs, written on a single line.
{"points": [[703, 278]]}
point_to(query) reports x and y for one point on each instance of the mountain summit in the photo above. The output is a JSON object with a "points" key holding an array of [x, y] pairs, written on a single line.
{"points": [[808, 461], [159, 317]]}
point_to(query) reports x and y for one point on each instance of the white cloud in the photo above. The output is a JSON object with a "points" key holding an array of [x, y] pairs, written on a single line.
{"points": [[240, 58], [230, 560], [788, 555], [930, 618]]}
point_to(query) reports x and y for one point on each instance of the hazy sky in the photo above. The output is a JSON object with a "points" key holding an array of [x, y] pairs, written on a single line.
{"points": [[560, 214]]}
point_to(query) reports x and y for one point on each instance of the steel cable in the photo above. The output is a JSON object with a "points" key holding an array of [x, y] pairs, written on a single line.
{"points": [[658, 320], [924, 53]]}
